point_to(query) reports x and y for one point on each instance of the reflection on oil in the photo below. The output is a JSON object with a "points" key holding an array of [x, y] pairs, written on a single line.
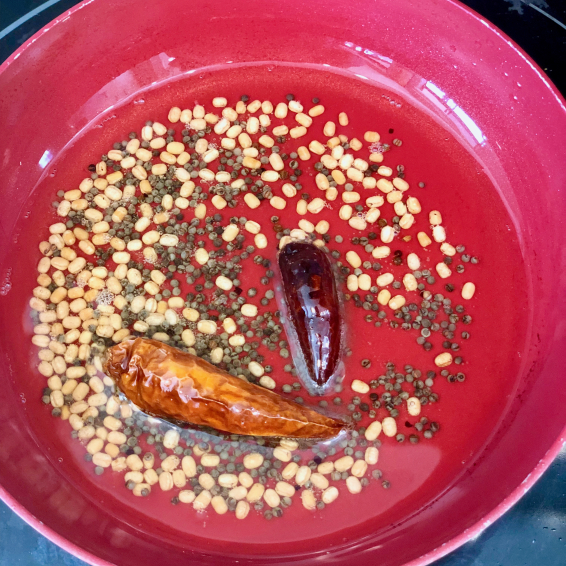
{"points": [[45, 159], [121, 89], [421, 88]]}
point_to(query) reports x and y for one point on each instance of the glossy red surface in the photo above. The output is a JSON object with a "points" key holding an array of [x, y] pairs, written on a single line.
{"points": [[479, 121], [166, 382], [311, 309]]}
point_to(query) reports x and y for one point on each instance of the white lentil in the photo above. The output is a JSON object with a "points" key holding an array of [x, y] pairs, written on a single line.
{"points": [[303, 475], [186, 496], [346, 161], [468, 290], [373, 430], [339, 177], [360, 387], [101, 459], [216, 355], [189, 466], [200, 211], [369, 182], [278, 202], [423, 239], [80, 391], [371, 455], [343, 119], [413, 205], [238, 493], [224, 283], [322, 182], [343, 464], [201, 256], [134, 462], [282, 454], [171, 439], [400, 184], [219, 202], [242, 509], [112, 422], [270, 177], [228, 480], [253, 460], [448, 249], [406, 221], [219, 102], [267, 382], [295, 106], [281, 110], [166, 481], [202, 500], [330, 494], [298, 132], [439, 234], [284, 489], [267, 141], [256, 369], [329, 129], [384, 186], [325, 468], [230, 233], [413, 261], [396, 302], [316, 147], [245, 479], [95, 445], [435, 218], [381, 252], [302, 206], [389, 425], [276, 162], [255, 493], [121, 257], [443, 270], [355, 174], [219, 504], [443, 360], [260, 241], [173, 116], [345, 212], [385, 279], [315, 205], [206, 481], [319, 481], [271, 497], [353, 484], [387, 234], [116, 437], [289, 444], [364, 282], [308, 499], [206, 326], [414, 406], [410, 282], [289, 190], [359, 468], [251, 200], [303, 119], [97, 400], [358, 223], [353, 259]]}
